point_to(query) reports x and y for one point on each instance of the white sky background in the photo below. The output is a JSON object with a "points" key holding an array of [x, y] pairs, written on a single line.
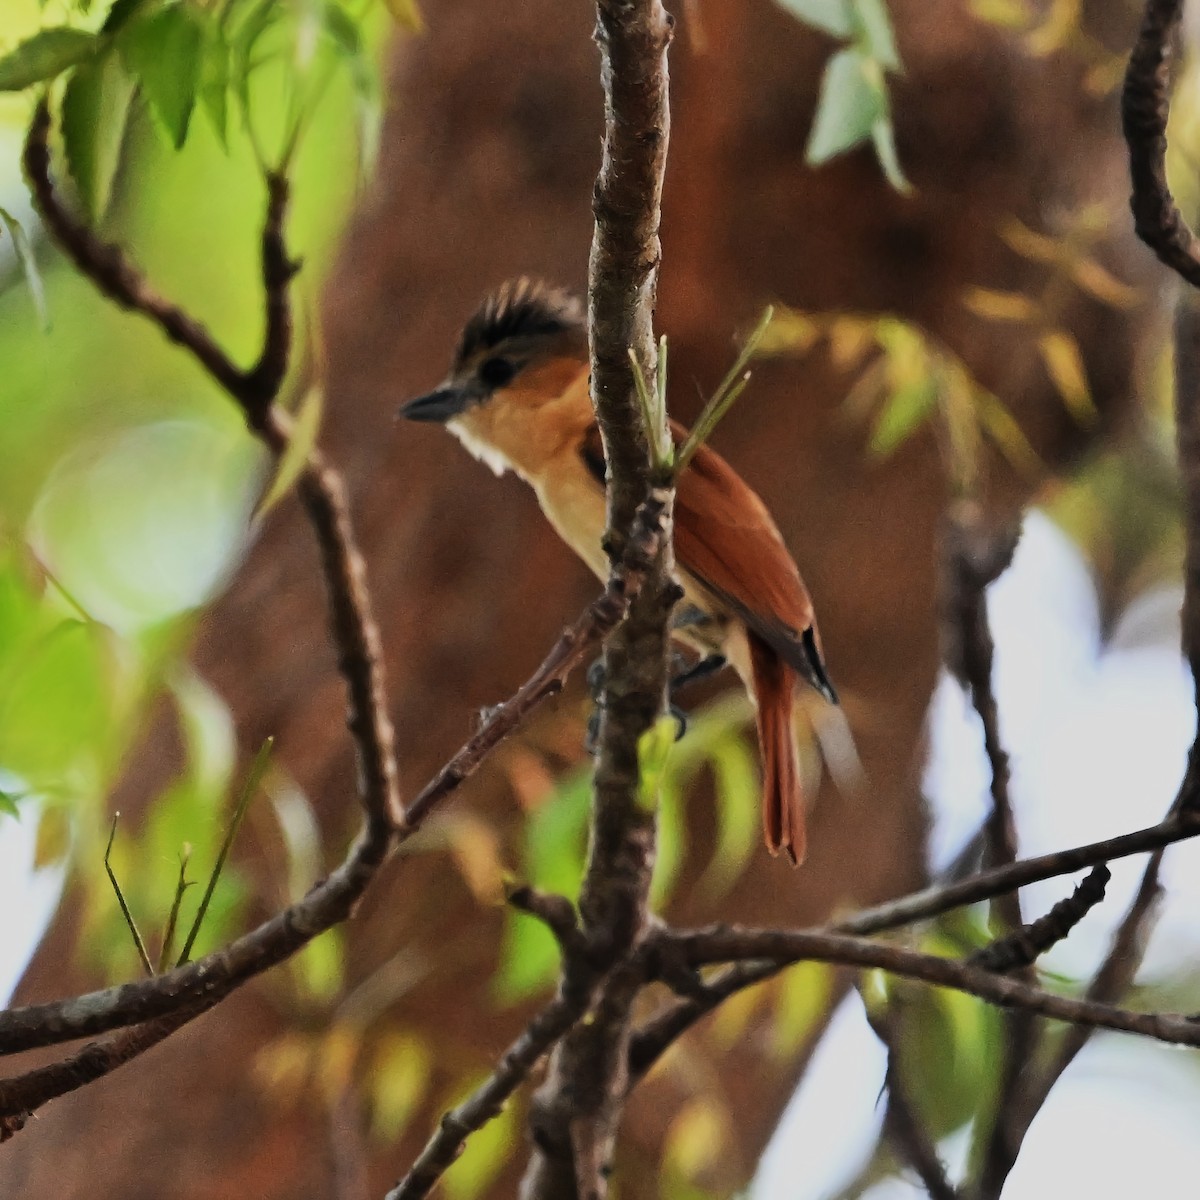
{"points": [[1097, 738]]}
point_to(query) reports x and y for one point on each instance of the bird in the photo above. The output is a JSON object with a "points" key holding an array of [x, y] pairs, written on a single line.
{"points": [[517, 398]]}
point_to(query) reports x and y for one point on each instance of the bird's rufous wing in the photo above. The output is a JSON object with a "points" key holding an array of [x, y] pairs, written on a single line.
{"points": [[726, 540]]}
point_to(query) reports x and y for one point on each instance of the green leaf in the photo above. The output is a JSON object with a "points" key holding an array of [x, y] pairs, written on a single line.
{"points": [[738, 815], [319, 968], [95, 109], [397, 1082], [875, 35], [852, 100], [654, 751], [346, 38], [213, 88], [45, 55], [300, 444], [946, 1054], [343, 31], [901, 415], [484, 1157], [28, 262], [555, 843], [834, 17], [1064, 364], [529, 960], [803, 997], [57, 719], [8, 805], [671, 842], [241, 58], [163, 53], [883, 137]]}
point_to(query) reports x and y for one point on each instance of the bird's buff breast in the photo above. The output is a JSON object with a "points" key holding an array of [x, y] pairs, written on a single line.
{"points": [[574, 505]]}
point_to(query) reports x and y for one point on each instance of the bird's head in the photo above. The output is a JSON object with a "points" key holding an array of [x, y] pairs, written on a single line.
{"points": [[523, 348]]}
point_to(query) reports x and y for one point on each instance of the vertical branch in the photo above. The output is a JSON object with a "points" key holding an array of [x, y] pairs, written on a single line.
{"points": [[975, 557], [902, 1125], [576, 1112], [1187, 440]]}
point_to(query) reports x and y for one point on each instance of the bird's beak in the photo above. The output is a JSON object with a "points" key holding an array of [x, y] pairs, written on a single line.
{"points": [[442, 405]]}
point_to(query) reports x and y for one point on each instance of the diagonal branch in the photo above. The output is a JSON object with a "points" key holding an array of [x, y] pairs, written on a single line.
{"points": [[488, 1100], [1024, 946]]}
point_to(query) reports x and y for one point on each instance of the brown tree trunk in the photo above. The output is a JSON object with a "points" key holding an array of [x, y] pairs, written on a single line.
{"points": [[489, 158]]}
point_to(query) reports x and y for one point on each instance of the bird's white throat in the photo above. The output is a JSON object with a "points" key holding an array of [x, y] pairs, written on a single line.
{"points": [[487, 454]]}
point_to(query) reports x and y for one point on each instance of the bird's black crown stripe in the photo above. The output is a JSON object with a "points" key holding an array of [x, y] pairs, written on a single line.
{"points": [[520, 308]]}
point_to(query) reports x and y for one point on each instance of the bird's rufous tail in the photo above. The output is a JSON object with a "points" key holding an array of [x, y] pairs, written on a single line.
{"points": [[783, 799]]}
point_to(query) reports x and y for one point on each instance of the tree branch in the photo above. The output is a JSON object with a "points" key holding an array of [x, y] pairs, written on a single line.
{"points": [[576, 1111], [487, 1101], [1024, 946], [1145, 106], [729, 944]]}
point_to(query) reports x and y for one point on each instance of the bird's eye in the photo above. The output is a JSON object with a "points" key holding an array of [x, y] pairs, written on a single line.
{"points": [[496, 372]]}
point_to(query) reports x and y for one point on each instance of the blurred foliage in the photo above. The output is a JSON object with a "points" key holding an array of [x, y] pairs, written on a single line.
{"points": [[1043, 29], [129, 488], [909, 380], [127, 480], [854, 106], [554, 840]]}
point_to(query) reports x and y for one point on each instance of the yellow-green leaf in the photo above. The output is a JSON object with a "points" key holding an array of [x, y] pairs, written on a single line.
{"points": [[697, 1137], [406, 14], [902, 413], [1034, 246], [850, 338], [1064, 365], [1005, 14], [303, 437], [53, 839], [483, 1159], [1106, 288], [1056, 31], [1002, 428], [802, 998], [399, 1078], [1000, 306], [654, 748]]}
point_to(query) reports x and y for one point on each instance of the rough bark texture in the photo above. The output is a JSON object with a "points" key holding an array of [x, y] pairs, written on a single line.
{"points": [[487, 169]]}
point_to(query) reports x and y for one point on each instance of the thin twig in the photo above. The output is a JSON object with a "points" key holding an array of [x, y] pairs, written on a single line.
{"points": [[1023, 947], [130, 923], [932, 901], [974, 557], [249, 789], [181, 886], [596, 622]]}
